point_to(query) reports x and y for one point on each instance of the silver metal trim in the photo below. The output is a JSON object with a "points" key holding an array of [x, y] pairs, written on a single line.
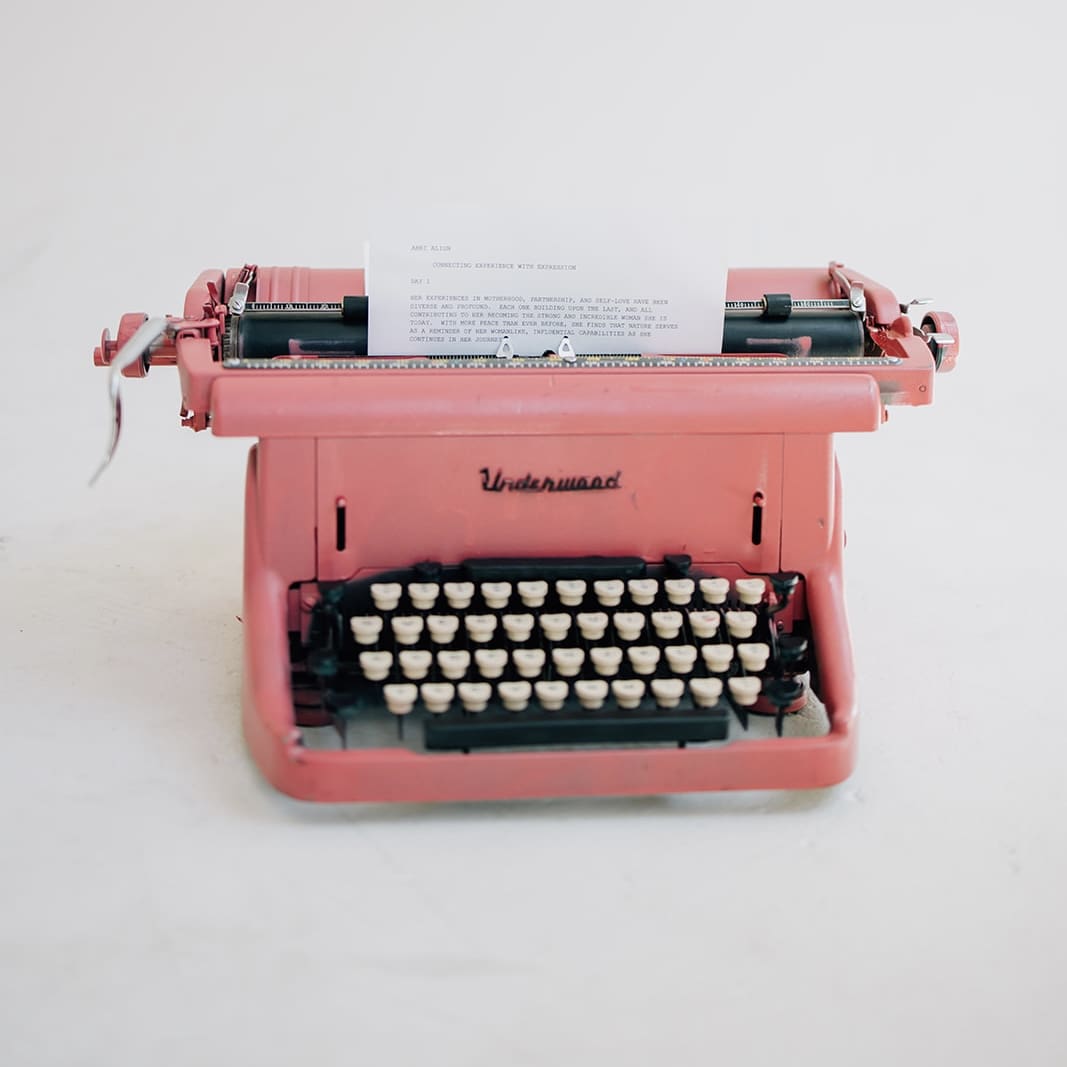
{"points": [[460, 363], [759, 306], [239, 298]]}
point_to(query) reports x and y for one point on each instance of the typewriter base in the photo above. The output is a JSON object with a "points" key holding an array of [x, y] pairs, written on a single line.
{"points": [[401, 775]]}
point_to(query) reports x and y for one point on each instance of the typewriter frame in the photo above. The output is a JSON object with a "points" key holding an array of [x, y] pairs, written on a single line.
{"points": [[313, 425]]}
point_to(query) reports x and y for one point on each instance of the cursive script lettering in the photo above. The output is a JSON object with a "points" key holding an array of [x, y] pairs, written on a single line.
{"points": [[527, 483]]}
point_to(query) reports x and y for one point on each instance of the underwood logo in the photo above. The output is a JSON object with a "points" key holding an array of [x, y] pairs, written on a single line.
{"points": [[527, 483]]}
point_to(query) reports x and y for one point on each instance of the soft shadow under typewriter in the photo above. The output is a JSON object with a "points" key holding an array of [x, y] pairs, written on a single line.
{"points": [[338, 706]]}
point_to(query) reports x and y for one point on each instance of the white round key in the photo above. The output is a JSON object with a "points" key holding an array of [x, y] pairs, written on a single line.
{"points": [[407, 629], [591, 693], [592, 624], [533, 594], [459, 595], [609, 592], [375, 665], [437, 696], [567, 661], [423, 594], [754, 656], [667, 624], [679, 590], [706, 691], [571, 591], [518, 627], [400, 697], [643, 658], [749, 590], [745, 691], [515, 695], [740, 624], [629, 625], [386, 595], [480, 628], [415, 663], [718, 658], [454, 663], [643, 590], [491, 661], [556, 625], [496, 594], [705, 623], [551, 695], [529, 662], [715, 590], [443, 628], [667, 691], [606, 660], [628, 692], [680, 658], [366, 629], [474, 695]]}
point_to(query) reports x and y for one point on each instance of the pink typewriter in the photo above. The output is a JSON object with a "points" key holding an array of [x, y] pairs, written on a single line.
{"points": [[506, 575]]}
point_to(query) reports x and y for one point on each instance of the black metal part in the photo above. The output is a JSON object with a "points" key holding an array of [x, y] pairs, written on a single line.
{"points": [[792, 652], [739, 710], [268, 334], [777, 306], [830, 335], [341, 532], [329, 686], [677, 565], [783, 585], [592, 568], [339, 331], [781, 692], [496, 727], [323, 663], [428, 571], [354, 310]]}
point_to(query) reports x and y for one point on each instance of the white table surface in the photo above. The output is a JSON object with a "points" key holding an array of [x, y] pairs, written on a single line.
{"points": [[159, 904]]}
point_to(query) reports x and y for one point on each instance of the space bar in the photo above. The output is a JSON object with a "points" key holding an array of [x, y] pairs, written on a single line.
{"points": [[468, 732]]}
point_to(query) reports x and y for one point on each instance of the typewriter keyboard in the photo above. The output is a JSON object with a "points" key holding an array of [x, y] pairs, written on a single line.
{"points": [[572, 652]]}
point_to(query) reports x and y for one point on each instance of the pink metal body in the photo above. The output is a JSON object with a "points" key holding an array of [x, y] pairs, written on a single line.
{"points": [[404, 449]]}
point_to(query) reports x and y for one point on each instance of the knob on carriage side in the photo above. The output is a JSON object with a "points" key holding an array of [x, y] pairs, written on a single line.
{"points": [[943, 336]]}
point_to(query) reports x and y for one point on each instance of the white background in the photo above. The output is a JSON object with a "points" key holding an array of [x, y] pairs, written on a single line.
{"points": [[159, 904]]}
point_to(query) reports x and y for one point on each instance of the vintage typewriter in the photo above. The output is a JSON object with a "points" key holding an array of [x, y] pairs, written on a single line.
{"points": [[519, 575]]}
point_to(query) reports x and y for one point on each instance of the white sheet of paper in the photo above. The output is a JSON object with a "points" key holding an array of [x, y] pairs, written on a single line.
{"points": [[459, 290]]}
